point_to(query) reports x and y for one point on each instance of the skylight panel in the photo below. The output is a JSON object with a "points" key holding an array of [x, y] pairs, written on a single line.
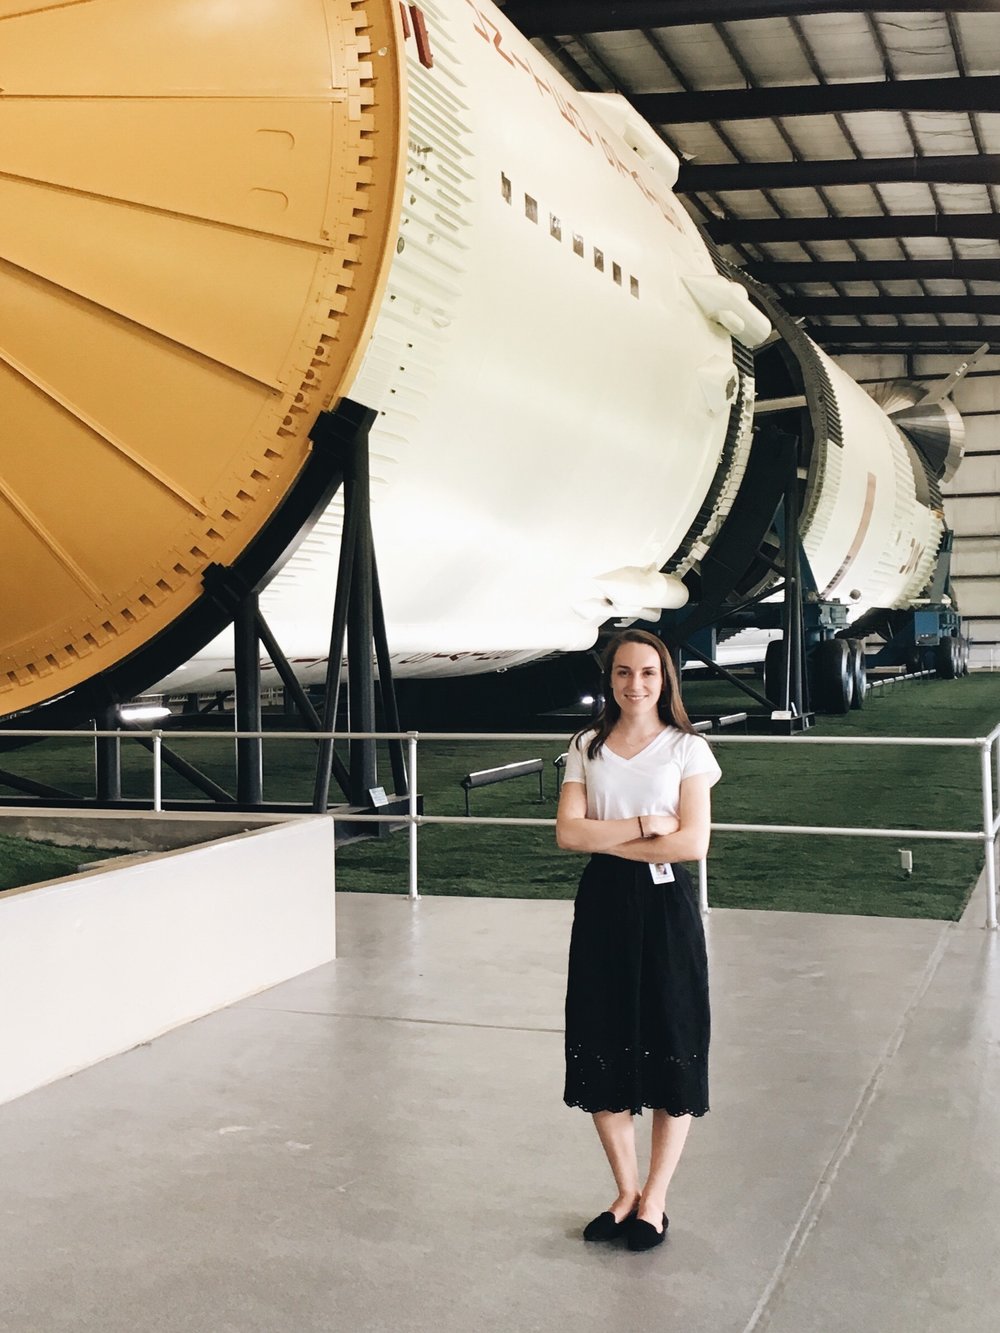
{"points": [[838, 251], [908, 197], [988, 125], [702, 58], [635, 61], [880, 133], [817, 137], [943, 132], [756, 140], [980, 38], [964, 198], [785, 252], [854, 201], [802, 202], [883, 247], [698, 143], [919, 44], [844, 47], [929, 247], [771, 51]]}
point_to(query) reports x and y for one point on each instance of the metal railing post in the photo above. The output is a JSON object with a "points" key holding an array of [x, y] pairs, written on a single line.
{"points": [[157, 771], [411, 745], [989, 835], [703, 888]]}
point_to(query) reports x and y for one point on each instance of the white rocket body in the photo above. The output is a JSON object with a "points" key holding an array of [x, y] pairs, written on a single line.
{"points": [[554, 374], [870, 539]]}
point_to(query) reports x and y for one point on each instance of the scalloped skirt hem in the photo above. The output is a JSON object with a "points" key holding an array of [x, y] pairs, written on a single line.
{"points": [[635, 1110]]}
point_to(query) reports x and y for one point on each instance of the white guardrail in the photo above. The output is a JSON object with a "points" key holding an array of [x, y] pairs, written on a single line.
{"points": [[988, 746]]}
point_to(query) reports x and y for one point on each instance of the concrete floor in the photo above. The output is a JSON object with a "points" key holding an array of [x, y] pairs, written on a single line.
{"points": [[381, 1145]]}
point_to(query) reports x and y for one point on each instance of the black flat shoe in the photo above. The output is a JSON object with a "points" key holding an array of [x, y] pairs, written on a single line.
{"points": [[604, 1227], [644, 1236]]}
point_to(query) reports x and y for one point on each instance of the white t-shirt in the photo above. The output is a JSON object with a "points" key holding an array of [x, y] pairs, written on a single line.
{"points": [[647, 784]]}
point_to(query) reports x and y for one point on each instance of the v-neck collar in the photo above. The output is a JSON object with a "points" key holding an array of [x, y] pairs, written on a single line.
{"points": [[639, 753]]}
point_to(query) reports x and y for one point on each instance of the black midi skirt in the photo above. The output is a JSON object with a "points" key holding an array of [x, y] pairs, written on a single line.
{"points": [[637, 1013]]}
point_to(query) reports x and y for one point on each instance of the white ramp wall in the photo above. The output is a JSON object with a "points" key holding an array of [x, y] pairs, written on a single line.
{"points": [[94, 965]]}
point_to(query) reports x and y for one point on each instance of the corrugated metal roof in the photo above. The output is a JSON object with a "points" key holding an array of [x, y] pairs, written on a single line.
{"points": [[843, 83]]}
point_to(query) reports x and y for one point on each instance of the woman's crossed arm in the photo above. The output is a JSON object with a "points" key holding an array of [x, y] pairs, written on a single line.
{"points": [[665, 838]]}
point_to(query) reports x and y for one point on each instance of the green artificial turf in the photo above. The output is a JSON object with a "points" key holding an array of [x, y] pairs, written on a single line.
{"points": [[24, 862], [793, 783]]}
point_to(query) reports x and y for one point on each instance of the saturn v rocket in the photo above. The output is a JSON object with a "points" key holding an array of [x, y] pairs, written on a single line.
{"points": [[218, 220]]}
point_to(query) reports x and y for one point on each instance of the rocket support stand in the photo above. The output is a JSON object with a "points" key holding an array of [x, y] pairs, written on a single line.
{"points": [[358, 616], [739, 553], [230, 596], [793, 701], [358, 619]]}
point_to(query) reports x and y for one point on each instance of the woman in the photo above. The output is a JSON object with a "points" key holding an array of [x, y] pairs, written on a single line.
{"points": [[636, 795]]}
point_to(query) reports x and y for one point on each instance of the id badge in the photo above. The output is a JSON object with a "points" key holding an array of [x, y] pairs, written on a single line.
{"points": [[662, 872]]}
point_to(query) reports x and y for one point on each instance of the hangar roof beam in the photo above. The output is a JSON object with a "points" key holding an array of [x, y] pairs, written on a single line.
{"points": [[892, 305], [876, 270], [907, 337], [968, 169], [977, 226], [550, 18], [981, 93]]}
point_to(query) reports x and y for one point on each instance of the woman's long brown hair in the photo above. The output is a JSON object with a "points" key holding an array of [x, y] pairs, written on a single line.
{"points": [[669, 706]]}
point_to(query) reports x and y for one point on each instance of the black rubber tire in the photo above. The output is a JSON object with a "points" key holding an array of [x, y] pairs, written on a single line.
{"points": [[831, 676], [859, 672], [946, 659], [773, 677]]}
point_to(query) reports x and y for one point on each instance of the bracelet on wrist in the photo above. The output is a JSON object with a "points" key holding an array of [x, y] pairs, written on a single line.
{"points": [[642, 831]]}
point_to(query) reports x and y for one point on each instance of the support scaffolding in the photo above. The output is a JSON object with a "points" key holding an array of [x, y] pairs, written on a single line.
{"points": [[231, 596], [744, 557]]}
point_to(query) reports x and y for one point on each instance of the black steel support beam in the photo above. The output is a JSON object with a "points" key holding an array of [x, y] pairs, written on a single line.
{"points": [[820, 99], [718, 670], [817, 306], [360, 633], [359, 618], [968, 169], [347, 430], [907, 337], [793, 656], [976, 226], [295, 694], [877, 270], [335, 658], [249, 753], [541, 18], [108, 757], [387, 689]]}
